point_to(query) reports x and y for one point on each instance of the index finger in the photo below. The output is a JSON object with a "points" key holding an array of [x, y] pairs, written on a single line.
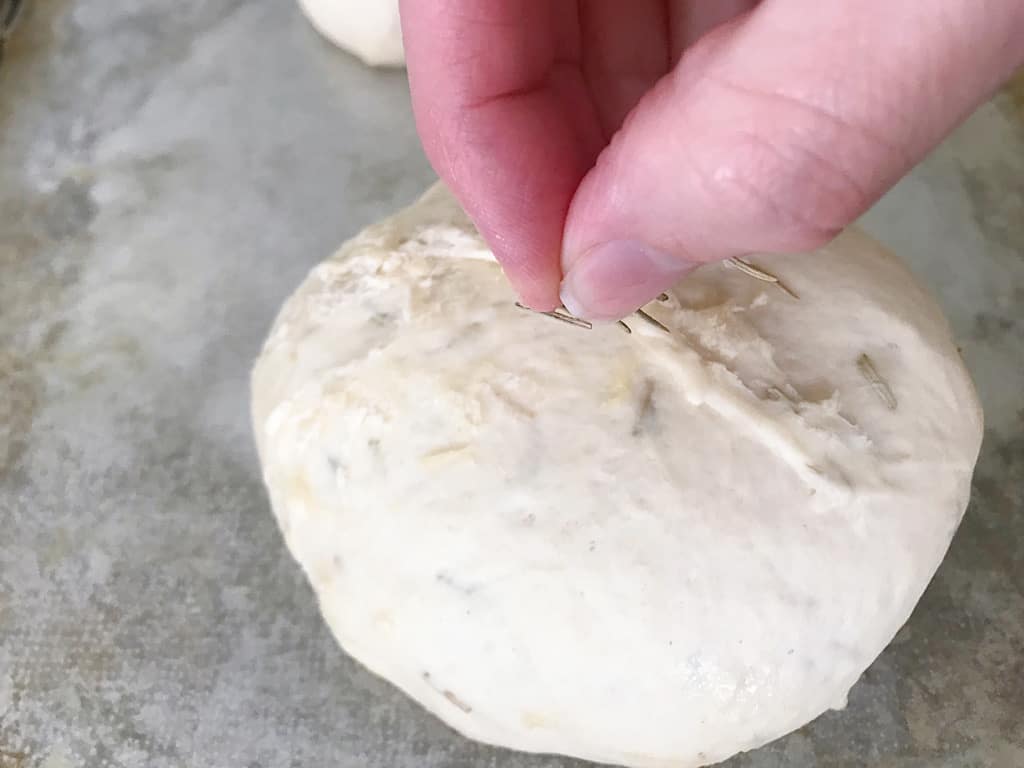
{"points": [[496, 88]]}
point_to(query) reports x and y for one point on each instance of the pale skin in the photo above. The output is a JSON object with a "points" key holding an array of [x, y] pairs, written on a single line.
{"points": [[605, 148]]}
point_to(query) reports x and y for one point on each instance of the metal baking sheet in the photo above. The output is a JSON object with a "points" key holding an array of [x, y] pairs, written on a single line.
{"points": [[169, 171]]}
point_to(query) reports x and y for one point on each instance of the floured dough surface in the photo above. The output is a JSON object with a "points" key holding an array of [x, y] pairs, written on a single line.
{"points": [[370, 30], [651, 549]]}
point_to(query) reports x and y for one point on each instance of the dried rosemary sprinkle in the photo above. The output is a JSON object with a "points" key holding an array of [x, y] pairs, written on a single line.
{"points": [[759, 274], [867, 369], [652, 321], [561, 314]]}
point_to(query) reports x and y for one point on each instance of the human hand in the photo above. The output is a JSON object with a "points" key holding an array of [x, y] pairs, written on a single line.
{"points": [[604, 148]]}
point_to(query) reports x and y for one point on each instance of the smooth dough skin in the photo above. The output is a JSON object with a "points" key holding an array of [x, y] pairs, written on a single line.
{"points": [[652, 549], [369, 30]]}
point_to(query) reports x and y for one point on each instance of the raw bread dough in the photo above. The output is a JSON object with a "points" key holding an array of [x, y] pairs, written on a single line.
{"points": [[653, 549], [369, 30]]}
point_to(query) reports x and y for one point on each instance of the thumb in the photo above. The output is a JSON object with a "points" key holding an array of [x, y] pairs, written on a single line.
{"points": [[773, 133]]}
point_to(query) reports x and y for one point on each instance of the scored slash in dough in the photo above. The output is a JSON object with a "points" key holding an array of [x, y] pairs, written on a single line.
{"points": [[369, 30], [650, 549]]}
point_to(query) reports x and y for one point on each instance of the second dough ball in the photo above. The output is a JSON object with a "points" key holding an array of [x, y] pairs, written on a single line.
{"points": [[370, 31]]}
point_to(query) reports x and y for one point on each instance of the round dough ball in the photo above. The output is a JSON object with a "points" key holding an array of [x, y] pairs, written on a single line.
{"points": [[369, 30], [655, 548]]}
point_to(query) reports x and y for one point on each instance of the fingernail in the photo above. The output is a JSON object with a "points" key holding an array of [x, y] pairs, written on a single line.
{"points": [[611, 280]]}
